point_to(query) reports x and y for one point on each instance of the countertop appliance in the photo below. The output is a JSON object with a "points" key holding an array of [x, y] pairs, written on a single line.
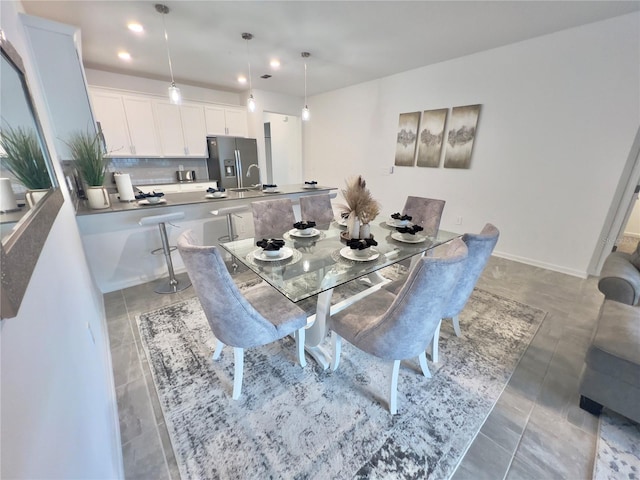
{"points": [[233, 161], [186, 175]]}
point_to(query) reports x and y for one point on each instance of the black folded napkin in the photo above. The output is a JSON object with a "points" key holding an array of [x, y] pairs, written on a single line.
{"points": [[270, 244], [413, 229], [361, 243], [312, 182], [344, 215], [304, 225], [269, 185], [214, 190], [142, 195], [398, 216]]}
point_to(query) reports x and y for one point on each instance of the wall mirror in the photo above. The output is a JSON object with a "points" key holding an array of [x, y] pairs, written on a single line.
{"points": [[26, 216]]}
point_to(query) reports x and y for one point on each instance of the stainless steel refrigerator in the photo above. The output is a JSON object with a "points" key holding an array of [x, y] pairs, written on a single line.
{"points": [[233, 161]]}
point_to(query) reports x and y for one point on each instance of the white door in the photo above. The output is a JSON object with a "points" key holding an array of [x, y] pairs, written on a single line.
{"points": [[142, 129], [169, 125], [109, 112], [194, 130]]}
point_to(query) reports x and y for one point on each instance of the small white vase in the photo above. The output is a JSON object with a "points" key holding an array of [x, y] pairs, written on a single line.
{"points": [[34, 196], [365, 230], [353, 225], [98, 197]]}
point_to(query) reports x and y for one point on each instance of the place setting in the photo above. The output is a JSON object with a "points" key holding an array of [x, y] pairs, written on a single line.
{"points": [[153, 198], [273, 250], [216, 192], [398, 220], [409, 234], [310, 184], [270, 188], [360, 250]]}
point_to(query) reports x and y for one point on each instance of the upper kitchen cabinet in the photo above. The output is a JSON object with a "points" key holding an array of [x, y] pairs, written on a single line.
{"points": [[127, 123], [181, 129], [226, 121]]}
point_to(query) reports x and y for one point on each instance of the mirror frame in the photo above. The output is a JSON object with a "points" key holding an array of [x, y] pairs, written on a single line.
{"points": [[22, 247]]}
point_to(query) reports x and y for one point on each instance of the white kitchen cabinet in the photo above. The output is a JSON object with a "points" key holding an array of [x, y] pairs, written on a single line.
{"points": [[127, 123], [142, 129], [181, 129], [226, 121]]}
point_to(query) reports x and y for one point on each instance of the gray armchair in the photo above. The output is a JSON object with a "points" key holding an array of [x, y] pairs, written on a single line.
{"points": [[256, 317], [400, 327], [317, 208], [272, 218]]}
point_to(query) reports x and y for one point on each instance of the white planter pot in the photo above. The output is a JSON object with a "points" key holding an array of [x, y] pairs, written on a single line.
{"points": [[98, 197], [365, 230], [353, 225], [34, 196]]}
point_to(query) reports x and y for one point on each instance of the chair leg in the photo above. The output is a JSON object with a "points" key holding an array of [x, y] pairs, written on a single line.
{"points": [[456, 326], [434, 343], [393, 399], [423, 365], [238, 360], [336, 341], [299, 336], [218, 350]]}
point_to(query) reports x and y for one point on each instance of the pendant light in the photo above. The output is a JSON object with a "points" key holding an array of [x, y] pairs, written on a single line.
{"points": [[174, 92], [251, 102], [306, 115]]}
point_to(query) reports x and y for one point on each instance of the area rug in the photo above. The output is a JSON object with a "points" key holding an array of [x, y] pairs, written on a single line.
{"points": [[618, 450], [306, 423]]}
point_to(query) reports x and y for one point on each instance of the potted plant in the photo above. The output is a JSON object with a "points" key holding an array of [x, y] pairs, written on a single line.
{"points": [[360, 206], [23, 158], [88, 158]]}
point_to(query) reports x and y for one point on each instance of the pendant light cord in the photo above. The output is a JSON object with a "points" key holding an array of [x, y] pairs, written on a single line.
{"points": [[305, 84], [249, 63], [166, 40]]}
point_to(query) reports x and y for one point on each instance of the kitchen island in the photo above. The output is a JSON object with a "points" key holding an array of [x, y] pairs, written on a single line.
{"points": [[118, 249]]}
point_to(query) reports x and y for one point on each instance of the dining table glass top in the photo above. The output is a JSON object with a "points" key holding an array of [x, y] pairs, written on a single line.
{"points": [[310, 264]]}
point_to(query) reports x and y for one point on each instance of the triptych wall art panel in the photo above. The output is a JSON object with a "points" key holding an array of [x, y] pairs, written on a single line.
{"points": [[426, 137]]}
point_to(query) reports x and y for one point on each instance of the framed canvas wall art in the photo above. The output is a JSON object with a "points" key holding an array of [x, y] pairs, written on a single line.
{"points": [[460, 136], [406, 139], [431, 136]]}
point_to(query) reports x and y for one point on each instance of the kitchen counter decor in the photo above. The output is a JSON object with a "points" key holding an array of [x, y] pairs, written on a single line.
{"points": [[89, 160]]}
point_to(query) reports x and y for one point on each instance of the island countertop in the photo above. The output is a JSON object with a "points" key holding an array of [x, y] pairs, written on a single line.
{"points": [[196, 197]]}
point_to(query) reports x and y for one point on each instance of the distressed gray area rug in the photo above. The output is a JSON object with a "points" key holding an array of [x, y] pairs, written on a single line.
{"points": [[306, 423], [618, 451]]}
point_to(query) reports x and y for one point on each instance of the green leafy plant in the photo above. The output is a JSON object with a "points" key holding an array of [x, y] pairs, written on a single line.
{"points": [[23, 157], [88, 157]]}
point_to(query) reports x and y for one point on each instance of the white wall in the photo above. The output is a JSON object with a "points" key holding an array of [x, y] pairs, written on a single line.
{"points": [[559, 115], [58, 414]]}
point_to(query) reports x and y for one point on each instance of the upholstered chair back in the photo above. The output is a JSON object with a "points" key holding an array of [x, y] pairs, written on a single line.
{"points": [[426, 212], [272, 218], [407, 327], [480, 247], [316, 208], [233, 320]]}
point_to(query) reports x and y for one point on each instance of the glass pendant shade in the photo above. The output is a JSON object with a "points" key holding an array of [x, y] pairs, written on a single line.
{"points": [[306, 115], [251, 103], [175, 97]]}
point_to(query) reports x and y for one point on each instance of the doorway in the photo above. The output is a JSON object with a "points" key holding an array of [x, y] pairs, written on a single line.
{"points": [[628, 240], [283, 148]]}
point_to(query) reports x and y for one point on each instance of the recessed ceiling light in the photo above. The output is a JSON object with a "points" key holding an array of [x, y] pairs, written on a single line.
{"points": [[275, 63], [124, 56], [135, 27], [242, 79]]}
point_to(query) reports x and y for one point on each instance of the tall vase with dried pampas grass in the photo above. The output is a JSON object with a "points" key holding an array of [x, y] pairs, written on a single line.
{"points": [[361, 207]]}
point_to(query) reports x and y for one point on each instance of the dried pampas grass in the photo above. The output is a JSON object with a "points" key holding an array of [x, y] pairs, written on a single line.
{"points": [[359, 200]]}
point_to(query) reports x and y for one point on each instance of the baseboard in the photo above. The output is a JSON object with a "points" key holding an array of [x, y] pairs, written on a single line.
{"points": [[547, 266], [134, 281], [631, 234]]}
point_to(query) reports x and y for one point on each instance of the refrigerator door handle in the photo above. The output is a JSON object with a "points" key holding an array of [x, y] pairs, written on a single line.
{"points": [[238, 168]]}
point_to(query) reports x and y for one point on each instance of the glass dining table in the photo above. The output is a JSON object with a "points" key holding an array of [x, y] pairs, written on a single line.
{"points": [[317, 262]]}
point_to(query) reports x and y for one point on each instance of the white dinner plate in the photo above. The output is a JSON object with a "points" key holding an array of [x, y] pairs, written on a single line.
{"points": [[147, 202], [285, 252], [347, 253], [297, 233], [418, 238], [395, 223], [211, 195], [272, 191], [309, 186]]}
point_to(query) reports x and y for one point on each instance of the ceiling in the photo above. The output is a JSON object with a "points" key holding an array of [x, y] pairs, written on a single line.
{"points": [[350, 42]]}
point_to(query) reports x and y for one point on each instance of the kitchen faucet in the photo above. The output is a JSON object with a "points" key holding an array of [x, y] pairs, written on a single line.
{"points": [[250, 167]]}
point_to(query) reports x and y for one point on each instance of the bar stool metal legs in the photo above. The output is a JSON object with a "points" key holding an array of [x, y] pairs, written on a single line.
{"points": [[171, 285]]}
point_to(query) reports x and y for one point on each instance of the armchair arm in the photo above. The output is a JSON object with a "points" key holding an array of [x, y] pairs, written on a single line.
{"points": [[620, 280]]}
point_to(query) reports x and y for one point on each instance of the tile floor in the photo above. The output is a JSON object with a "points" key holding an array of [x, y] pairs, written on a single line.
{"points": [[536, 430]]}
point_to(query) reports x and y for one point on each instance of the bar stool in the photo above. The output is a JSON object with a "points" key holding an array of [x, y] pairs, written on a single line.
{"points": [[229, 212], [172, 286]]}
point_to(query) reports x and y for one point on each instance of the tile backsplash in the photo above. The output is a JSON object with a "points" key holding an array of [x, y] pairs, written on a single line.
{"points": [[155, 171]]}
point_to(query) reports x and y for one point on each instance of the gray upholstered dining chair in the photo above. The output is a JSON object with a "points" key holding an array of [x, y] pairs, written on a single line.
{"points": [[272, 218], [316, 208], [480, 246], [257, 316], [425, 212], [398, 327]]}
